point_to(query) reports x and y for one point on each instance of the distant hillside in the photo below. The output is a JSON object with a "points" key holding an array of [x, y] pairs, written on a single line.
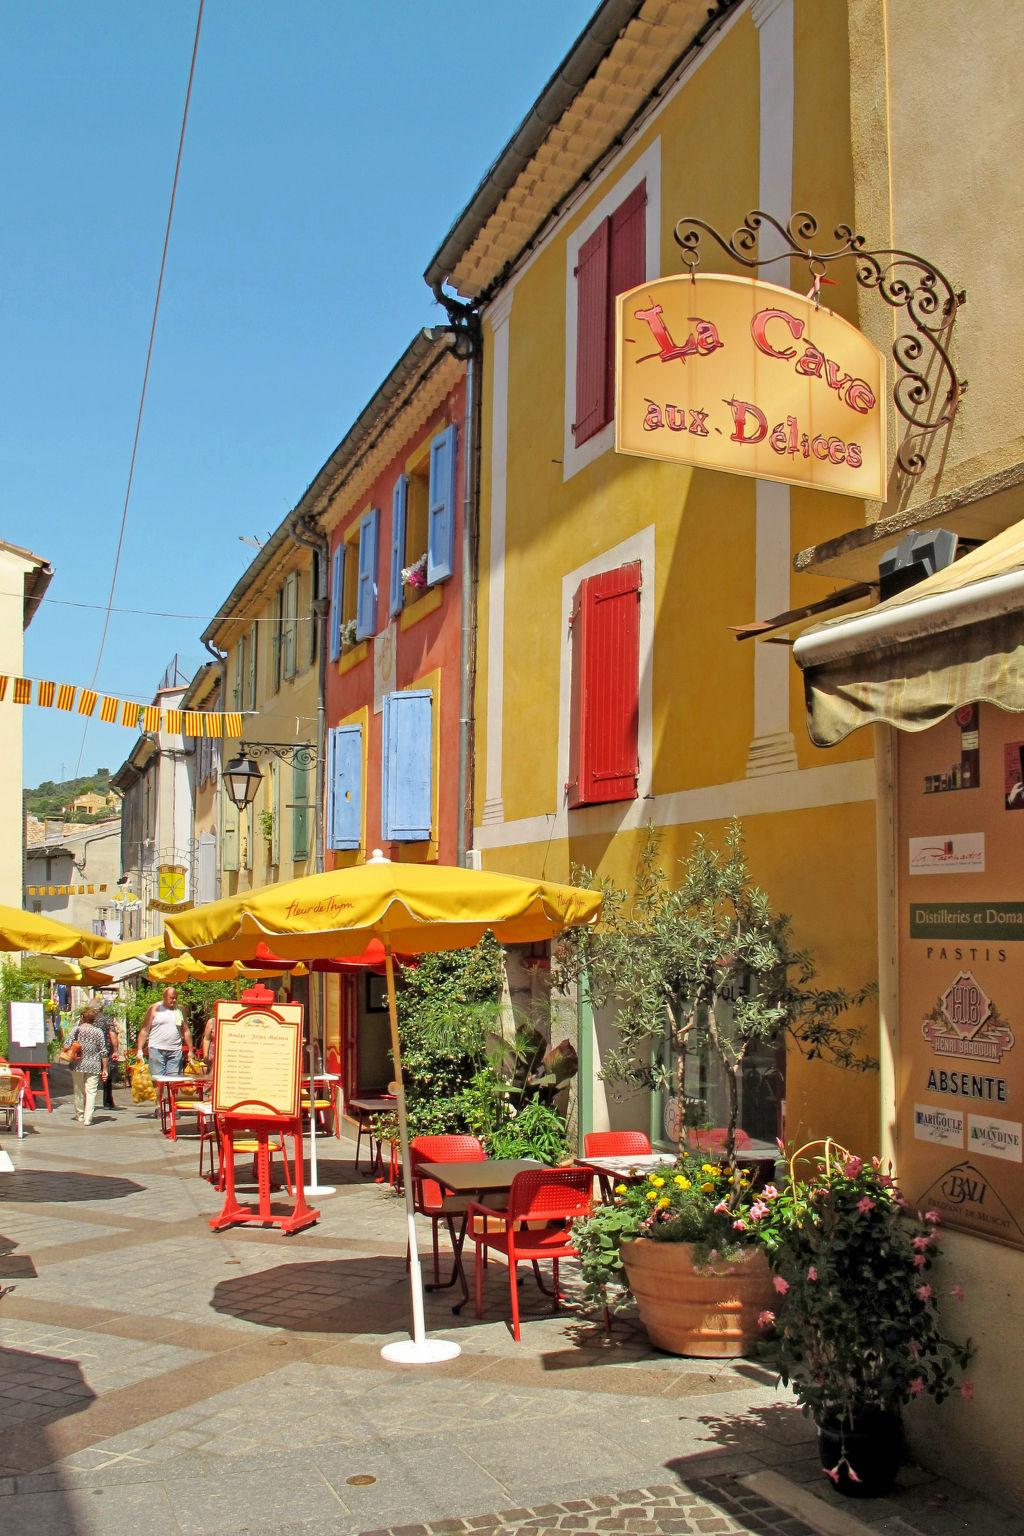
{"points": [[50, 799]]}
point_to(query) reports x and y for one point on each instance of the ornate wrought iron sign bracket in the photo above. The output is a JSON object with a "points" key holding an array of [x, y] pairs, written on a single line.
{"points": [[905, 281], [298, 754]]}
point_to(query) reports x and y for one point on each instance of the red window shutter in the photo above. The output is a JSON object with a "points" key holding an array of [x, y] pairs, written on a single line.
{"points": [[592, 339], [603, 762], [627, 266]]}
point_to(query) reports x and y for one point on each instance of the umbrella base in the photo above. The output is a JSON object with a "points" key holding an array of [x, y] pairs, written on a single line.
{"points": [[426, 1352], [316, 1190]]}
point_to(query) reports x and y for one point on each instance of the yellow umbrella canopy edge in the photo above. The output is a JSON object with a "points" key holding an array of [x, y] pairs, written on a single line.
{"points": [[41, 934], [412, 909], [131, 949]]}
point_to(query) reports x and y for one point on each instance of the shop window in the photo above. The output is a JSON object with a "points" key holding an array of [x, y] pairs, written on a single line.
{"points": [[604, 701], [345, 787], [613, 259], [407, 754]]}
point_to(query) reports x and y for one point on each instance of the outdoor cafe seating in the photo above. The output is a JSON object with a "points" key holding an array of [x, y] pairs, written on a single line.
{"points": [[428, 1197], [535, 1224]]}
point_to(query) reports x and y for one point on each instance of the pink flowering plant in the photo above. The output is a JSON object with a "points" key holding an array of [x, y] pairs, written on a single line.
{"points": [[859, 1325], [702, 1200]]}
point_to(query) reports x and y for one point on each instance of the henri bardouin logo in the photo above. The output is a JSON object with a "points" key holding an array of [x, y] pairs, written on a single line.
{"points": [[965, 1022]]}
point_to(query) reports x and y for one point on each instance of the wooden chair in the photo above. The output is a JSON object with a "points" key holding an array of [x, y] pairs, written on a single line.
{"points": [[537, 1223]]}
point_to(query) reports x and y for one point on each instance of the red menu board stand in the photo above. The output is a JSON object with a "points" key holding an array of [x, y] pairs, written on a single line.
{"points": [[256, 1097]]}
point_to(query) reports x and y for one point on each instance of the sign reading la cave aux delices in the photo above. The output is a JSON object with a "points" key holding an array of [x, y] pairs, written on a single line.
{"points": [[734, 374]]}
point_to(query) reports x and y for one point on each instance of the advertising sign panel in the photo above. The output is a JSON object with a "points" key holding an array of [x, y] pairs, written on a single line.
{"points": [[960, 1107], [256, 1067], [735, 374]]}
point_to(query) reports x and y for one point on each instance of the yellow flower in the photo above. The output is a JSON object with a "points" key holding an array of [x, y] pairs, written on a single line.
{"points": [[657, 1180], [651, 1195], [709, 1168], [708, 1188], [680, 1182], [620, 1189], [664, 1201]]}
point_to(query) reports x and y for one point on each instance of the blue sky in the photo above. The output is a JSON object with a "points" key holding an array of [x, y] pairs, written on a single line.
{"points": [[330, 145]]}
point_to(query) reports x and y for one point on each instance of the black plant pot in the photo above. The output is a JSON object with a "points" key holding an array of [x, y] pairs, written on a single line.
{"points": [[862, 1453]]}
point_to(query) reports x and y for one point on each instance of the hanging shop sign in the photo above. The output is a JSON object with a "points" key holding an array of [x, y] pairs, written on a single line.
{"points": [[960, 1105], [734, 374]]}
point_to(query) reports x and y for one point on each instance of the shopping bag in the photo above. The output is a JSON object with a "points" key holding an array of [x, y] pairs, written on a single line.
{"points": [[142, 1084]]}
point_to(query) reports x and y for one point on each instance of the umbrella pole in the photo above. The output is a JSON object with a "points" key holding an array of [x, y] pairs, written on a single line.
{"points": [[419, 1350], [314, 1187]]}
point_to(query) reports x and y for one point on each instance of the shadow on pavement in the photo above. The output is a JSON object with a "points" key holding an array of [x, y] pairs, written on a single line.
{"points": [[33, 1186]]}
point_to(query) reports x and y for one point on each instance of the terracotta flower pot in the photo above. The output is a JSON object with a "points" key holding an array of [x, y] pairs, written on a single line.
{"points": [[709, 1311]]}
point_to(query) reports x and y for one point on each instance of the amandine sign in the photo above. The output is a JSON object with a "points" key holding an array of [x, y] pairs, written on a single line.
{"points": [[734, 374]]}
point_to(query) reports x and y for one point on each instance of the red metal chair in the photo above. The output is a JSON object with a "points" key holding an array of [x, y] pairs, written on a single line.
{"points": [[552, 1196], [614, 1144], [429, 1199], [714, 1140]]}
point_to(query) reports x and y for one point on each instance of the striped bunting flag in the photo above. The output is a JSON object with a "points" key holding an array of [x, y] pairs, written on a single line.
{"points": [[87, 701], [45, 693], [151, 718], [22, 690], [66, 696], [109, 709]]}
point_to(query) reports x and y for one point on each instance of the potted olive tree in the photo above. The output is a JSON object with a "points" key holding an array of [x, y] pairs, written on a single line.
{"points": [[702, 972]]}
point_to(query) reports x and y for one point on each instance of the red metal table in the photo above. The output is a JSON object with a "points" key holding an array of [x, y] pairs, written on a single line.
{"points": [[366, 1108], [168, 1091], [28, 1067]]}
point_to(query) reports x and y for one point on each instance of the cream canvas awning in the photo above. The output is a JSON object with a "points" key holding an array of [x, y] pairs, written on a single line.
{"points": [[955, 638]]}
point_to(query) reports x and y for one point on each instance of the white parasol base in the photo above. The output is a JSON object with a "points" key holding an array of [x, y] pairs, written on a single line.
{"points": [[316, 1190], [420, 1352]]}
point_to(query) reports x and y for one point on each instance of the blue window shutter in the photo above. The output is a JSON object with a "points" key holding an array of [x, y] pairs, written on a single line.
{"points": [[337, 572], [345, 786], [399, 501], [366, 606], [441, 530], [407, 752]]}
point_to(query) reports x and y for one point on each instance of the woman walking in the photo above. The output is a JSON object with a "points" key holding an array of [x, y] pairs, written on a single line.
{"points": [[91, 1067], [167, 1035]]}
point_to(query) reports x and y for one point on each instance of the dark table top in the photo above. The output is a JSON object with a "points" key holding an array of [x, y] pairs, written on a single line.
{"points": [[480, 1177], [377, 1104]]}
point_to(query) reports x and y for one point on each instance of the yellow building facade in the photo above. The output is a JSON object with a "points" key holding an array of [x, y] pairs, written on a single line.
{"points": [[682, 118]]}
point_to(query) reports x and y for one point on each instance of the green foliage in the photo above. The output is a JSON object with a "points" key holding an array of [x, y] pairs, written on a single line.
{"points": [[536, 1130], [858, 1323], [17, 985], [707, 963], [50, 798], [705, 1202], [195, 999]]}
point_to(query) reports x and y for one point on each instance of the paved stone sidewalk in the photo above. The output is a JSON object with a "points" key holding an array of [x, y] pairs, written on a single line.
{"points": [[158, 1378]]}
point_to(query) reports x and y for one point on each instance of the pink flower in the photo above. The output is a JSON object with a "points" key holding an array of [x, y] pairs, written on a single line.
{"points": [[781, 1285], [914, 1349], [833, 1473], [885, 1179], [920, 1260], [812, 1273], [739, 1225], [958, 1292], [853, 1166], [921, 1243], [758, 1211], [765, 1319], [713, 1255], [934, 1217], [780, 1143], [916, 1386], [722, 1208], [769, 1192], [967, 1390], [865, 1204], [851, 1474], [924, 1293]]}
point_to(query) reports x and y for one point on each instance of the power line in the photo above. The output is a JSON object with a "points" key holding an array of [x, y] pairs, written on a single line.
{"points": [[145, 374], [155, 613]]}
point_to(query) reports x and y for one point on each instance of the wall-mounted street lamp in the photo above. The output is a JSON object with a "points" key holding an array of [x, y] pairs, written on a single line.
{"points": [[242, 777]]}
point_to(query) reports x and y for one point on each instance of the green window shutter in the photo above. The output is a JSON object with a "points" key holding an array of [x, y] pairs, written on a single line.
{"points": [[228, 834], [275, 640], [289, 625], [236, 690], [250, 702], [300, 813], [245, 836], [275, 811]]}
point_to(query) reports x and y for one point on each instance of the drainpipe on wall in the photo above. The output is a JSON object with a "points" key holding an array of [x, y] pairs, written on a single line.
{"points": [[464, 323], [304, 531]]}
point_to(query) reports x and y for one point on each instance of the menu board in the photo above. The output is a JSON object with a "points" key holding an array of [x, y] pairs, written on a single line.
{"points": [[258, 1060], [28, 1034], [960, 1080]]}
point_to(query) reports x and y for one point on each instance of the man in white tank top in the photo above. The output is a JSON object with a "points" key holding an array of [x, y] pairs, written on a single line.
{"points": [[166, 1034]]}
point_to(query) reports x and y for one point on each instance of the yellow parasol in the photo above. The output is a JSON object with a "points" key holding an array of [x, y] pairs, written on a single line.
{"points": [[188, 968], [40, 934], [131, 949], [413, 909]]}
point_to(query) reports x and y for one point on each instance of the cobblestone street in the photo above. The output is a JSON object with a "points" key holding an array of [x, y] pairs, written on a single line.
{"points": [[158, 1378]]}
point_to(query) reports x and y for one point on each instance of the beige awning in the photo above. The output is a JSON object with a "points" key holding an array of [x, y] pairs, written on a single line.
{"points": [[955, 638]]}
